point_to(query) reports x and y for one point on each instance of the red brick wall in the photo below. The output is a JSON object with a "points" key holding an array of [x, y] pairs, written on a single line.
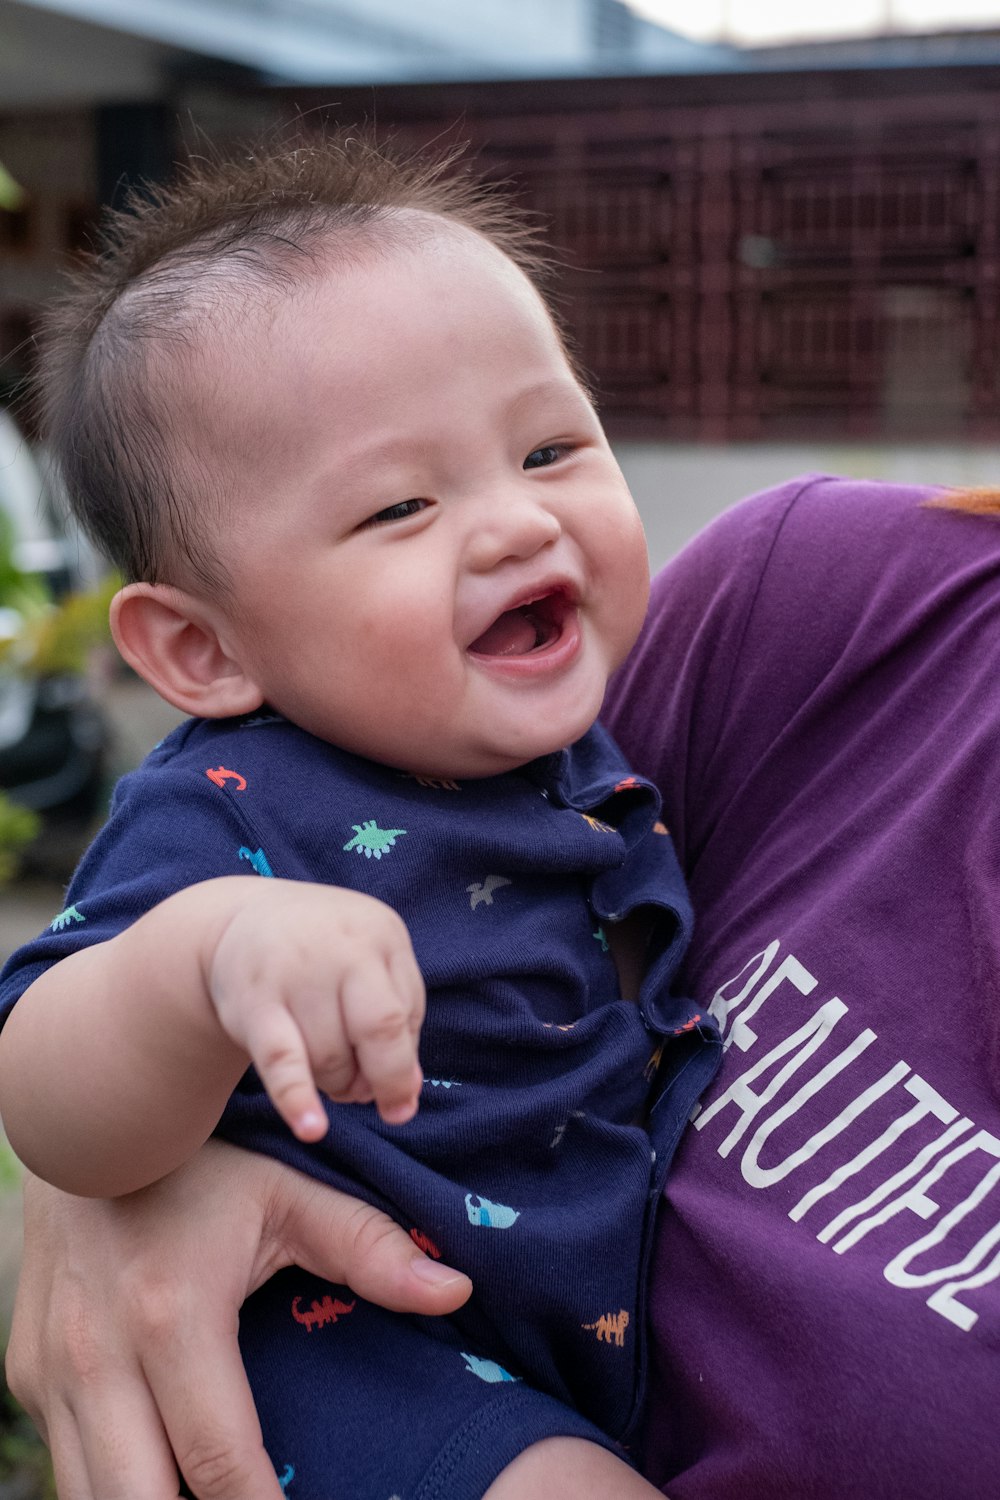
{"points": [[774, 256]]}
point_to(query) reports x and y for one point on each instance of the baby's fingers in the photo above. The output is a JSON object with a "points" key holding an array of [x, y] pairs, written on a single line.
{"points": [[382, 1017], [278, 1051]]}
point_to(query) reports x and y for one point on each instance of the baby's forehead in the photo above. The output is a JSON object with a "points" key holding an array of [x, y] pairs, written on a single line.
{"points": [[189, 303], [243, 307], [238, 318]]}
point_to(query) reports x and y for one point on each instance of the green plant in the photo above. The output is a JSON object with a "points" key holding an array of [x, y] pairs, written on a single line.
{"points": [[40, 637], [24, 592], [25, 1471], [10, 1169], [12, 195], [18, 827]]}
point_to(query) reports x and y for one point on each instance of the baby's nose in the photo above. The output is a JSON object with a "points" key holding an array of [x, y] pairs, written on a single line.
{"points": [[512, 529]]}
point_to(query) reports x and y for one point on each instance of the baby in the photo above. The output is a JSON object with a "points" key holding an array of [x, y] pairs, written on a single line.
{"points": [[316, 408]]}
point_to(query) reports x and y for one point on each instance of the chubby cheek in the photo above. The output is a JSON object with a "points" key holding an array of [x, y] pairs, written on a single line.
{"points": [[394, 627], [401, 650], [624, 588]]}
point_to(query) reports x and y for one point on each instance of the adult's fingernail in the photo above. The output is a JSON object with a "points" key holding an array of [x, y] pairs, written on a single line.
{"points": [[434, 1272]]}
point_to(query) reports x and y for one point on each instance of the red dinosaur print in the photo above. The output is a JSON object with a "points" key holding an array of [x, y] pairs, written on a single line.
{"points": [[423, 1243], [688, 1025], [327, 1310], [628, 785], [220, 776]]}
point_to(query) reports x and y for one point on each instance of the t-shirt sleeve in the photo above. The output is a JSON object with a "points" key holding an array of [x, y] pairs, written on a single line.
{"points": [[743, 627], [169, 827]]}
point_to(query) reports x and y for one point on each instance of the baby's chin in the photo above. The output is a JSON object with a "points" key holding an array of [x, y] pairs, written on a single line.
{"points": [[497, 758]]}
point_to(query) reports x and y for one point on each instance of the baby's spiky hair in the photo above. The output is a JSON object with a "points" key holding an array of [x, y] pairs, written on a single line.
{"points": [[114, 347]]}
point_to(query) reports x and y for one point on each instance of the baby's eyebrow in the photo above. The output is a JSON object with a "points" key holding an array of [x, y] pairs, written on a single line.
{"points": [[348, 477], [561, 388], [559, 397], [387, 450]]}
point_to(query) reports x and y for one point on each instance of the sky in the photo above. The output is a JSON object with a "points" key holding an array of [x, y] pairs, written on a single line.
{"points": [[764, 21]]}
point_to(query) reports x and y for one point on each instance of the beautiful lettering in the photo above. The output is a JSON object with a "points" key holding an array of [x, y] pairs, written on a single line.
{"points": [[937, 1181]]}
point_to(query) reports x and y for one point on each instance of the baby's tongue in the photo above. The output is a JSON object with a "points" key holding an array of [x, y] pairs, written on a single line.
{"points": [[512, 635]]}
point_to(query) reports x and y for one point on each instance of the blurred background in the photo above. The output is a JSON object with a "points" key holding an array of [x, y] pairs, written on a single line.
{"points": [[780, 228]]}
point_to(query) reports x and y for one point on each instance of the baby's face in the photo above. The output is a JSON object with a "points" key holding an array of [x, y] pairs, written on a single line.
{"points": [[434, 557]]}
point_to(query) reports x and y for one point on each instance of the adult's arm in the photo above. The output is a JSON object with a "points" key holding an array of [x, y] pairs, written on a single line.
{"points": [[124, 1343]]}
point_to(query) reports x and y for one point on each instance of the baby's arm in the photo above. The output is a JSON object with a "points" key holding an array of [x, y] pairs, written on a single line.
{"points": [[116, 1064], [568, 1468]]}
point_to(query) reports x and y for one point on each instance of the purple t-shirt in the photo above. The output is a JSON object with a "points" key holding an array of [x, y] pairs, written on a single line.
{"points": [[817, 693]]}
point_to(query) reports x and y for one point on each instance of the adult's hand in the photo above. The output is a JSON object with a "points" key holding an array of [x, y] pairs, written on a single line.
{"points": [[123, 1348]]}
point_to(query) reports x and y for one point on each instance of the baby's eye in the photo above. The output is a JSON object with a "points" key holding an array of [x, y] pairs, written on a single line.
{"points": [[396, 512], [540, 458]]}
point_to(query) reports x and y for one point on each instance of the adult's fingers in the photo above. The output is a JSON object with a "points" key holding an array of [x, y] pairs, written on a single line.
{"points": [[120, 1310], [344, 1240], [118, 1450], [98, 1419], [214, 1428], [124, 1449], [193, 1370], [68, 1463]]}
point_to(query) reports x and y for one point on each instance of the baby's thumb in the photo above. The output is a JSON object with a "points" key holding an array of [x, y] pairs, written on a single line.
{"points": [[349, 1242]]}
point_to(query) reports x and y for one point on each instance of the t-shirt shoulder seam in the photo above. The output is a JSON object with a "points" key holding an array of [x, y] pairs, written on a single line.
{"points": [[188, 776], [808, 482]]}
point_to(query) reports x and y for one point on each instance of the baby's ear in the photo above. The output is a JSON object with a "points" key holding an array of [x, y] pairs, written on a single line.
{"points": [[171, 638]]}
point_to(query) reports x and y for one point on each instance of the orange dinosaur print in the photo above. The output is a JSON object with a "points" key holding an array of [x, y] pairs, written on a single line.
{"points": [[596, 823], [610, 1328], [327, 1310], [628, 785], [220, 776], [423, 1243], [649, 1070], [659, 827]]}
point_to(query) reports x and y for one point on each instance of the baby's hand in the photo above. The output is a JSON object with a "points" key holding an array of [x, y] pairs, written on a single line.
{"points": [[321, 988]]}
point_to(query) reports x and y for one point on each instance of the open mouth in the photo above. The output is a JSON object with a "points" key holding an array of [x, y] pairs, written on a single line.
{"points": [[528, 628]]}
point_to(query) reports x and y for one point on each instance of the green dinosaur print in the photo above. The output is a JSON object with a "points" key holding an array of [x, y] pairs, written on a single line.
{"points": [[601, 936], [65, 918], [371, 840]]}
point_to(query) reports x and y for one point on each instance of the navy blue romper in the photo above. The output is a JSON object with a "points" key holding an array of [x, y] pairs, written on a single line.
{"points": [[550, 1110]]}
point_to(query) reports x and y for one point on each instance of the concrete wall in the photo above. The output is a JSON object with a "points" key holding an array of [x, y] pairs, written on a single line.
{"points": [[679, 487]]}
